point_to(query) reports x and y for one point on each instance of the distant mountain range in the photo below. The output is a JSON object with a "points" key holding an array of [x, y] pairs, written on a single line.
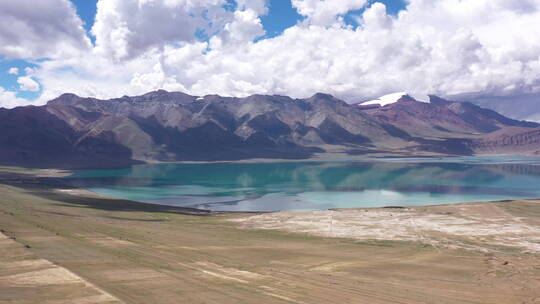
{"points": [[523, 107], [75, 132]]}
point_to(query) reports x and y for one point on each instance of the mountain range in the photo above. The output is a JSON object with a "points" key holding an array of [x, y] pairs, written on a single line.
{"points": [[160, 126]]}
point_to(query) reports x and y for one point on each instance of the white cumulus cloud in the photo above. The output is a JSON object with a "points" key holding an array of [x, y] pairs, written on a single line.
{"points": [[414, 51], [13, 71], [126, 29], [26, 83], [259, 6], [244, 28], [33, 29], [325, 12], [9, 99]]}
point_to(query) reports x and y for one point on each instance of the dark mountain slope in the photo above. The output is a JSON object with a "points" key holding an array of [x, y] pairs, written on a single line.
{"points": [[31, 136]]}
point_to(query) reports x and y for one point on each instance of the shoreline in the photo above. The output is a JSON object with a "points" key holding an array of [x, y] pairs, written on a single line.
{"points": [[61, 183], [53, 178], [335, 158], [330, 157], [82, 191], [289, 218]]}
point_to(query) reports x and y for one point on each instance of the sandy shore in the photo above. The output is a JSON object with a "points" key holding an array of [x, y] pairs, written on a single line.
{"points": [[76, 247]]}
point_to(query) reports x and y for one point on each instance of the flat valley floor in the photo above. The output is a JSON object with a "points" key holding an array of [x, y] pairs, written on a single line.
{"points": [[70, 246]]}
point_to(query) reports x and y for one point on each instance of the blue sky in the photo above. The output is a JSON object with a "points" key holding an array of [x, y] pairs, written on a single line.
{"points": [[9, 81], [86, 9]]}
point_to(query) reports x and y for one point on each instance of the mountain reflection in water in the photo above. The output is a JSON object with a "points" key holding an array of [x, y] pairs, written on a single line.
{"points": [[310, 185]]}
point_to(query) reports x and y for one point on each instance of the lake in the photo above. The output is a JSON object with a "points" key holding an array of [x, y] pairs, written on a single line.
{"points": [[315, 185]]}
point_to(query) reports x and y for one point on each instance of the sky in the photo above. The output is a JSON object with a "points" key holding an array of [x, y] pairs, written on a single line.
{"points": [[354, 49]]}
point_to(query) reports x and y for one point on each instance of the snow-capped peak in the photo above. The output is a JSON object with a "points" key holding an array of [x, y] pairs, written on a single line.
{"points": [[395, 97]]}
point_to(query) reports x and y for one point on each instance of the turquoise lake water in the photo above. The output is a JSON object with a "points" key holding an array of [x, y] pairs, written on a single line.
{"points": [[315, 185]]}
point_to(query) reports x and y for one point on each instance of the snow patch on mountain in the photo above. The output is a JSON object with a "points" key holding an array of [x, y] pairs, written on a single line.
{"points": [[395, 97]]}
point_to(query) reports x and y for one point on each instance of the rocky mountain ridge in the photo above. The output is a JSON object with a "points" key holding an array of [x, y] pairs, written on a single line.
{"points": [[71, 131]]}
